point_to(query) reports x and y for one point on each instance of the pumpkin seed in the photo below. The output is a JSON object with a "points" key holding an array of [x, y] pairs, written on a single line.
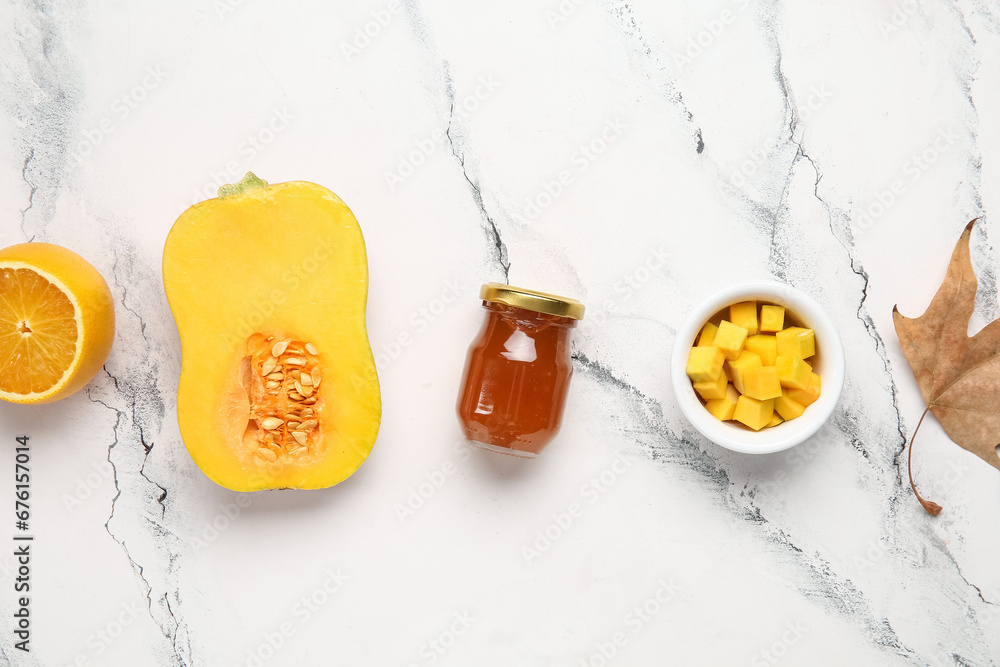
{"points": [[271, 384], [267, 454], [308, 425], [268, 366], [295, 361], [300, 437], [311, 349], [309, 401], [295, 396], [276, 376], [271, 423], [279, 348], [316, 376], [306, 379]]}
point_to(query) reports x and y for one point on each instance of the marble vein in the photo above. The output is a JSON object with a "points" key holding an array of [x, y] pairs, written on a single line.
{"points": [[500, 248], [31, 194], [137, 567], [624, 15], [147, 448], [861, 313], [839, 592], [41, 93], [776, 253], [979, 591], [987, 305], [123, 286], [776, 259], [424, 32], [896, 489], [182, 658]]}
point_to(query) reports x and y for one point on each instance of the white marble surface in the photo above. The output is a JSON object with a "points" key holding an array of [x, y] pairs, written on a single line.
{"points": [[689, 145]]}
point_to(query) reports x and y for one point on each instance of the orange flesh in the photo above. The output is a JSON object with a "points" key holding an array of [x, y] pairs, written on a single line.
{"points": [[38, 332], [284, 387]]}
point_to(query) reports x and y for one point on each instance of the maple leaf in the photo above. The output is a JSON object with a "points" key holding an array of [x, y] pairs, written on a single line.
{"points": [[959, 375]]}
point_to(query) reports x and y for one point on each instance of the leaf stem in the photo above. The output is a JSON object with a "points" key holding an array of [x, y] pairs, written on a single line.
{"points": [[932, 508]]}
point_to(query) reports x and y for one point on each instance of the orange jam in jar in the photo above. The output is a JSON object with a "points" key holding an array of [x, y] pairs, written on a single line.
{"points": [[517, 370]]}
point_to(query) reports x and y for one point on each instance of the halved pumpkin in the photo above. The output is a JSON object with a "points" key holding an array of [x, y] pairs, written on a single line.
{"points": [[268, 285]]}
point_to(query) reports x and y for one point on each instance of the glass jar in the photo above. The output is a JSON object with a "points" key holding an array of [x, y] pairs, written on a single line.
{"points": [[518, 369]]}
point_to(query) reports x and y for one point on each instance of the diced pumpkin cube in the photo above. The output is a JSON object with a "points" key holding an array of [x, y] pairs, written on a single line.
{"points": [[723, 408], [793, 372], [763, 345], [761, 383], [775, 419], [707, 336], [755, 414], [730, 338], [739, 366], [705, 364], [744, 314], [772, 318], [808, 395], [788, 408], [796, 342], [712, 389]]}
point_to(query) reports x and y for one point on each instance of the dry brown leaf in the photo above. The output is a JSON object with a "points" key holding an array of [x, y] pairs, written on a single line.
{"points": [[959, 376]]}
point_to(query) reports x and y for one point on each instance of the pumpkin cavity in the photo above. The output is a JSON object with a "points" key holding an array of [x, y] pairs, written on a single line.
{"points": [[281, 377]]}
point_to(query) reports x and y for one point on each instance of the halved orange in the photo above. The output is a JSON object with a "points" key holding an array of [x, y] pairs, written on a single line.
{"points": [[57, 322]]}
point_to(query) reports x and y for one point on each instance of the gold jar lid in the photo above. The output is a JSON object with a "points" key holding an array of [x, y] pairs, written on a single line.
{"points": [[539, 302]]}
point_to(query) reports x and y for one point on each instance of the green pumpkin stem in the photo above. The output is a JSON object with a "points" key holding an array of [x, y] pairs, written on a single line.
{"points": [[249, 183]]}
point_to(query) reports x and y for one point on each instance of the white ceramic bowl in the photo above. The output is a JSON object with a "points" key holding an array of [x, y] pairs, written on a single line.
{"points": [[829, 365]]}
